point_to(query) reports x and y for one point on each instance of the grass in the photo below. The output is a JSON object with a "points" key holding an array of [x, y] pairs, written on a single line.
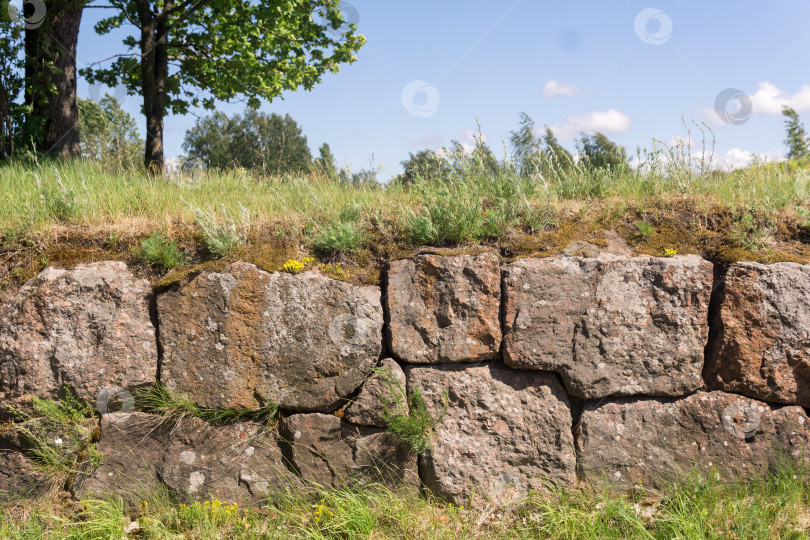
{"points": [[79, 211], [224, 233], [468, 206], [158, 399], [158, 250], [772, 507], [414, 429], [58, 437]]}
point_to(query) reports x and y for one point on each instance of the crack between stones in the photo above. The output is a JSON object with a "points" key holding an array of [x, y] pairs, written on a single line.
{"points": [[715, 299], [153, 316]]}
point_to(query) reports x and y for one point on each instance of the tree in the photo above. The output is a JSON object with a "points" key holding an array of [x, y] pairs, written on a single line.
{"points": [[272, 143], [326, 162], [557, 157], [209, 139], [796, 139], [51, 37], [599, 152], [526, 147], [108, 133], [11, 84], [192, 53], [424, 165]]}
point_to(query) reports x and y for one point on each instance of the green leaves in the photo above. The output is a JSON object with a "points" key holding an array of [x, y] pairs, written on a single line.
{"points": [[226, 49], [108, 133], [255, 140]]}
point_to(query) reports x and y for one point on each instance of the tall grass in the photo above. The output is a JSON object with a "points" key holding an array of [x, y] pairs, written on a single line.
{"points": [[469, 205]]}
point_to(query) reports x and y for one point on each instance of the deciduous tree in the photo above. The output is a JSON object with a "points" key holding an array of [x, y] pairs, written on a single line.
{"points": [[108, 133], [255, 140], [796, 137], [190, 53], [599, 152]]}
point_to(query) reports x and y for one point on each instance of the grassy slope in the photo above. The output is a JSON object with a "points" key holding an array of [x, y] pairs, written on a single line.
{"points": [[65, 213]]}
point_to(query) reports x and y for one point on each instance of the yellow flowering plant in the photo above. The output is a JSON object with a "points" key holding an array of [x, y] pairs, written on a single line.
{"points": [[294, 266]]}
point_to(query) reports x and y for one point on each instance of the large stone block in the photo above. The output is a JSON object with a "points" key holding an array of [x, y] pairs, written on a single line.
{"points": [[656, 441], [19, 477], [382, 393], [132, 446], [761, 343], [444, 309], [243, 337], [501, 432], [239, 463], [86, 329], [611, 326], [328, 452]]}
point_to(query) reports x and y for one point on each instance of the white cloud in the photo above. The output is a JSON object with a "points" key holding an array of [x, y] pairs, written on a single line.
{"points": [[610, 121], [554, 88], [467, 139], [769, 99], [737, 158]]}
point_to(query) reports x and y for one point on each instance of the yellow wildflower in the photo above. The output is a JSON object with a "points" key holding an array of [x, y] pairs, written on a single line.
{"points": [[293, 266]]}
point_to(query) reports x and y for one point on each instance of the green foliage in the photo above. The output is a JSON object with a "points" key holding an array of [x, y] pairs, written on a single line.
{"points": [[751, 233], [338, 237], [447, 215], [255, 140], [225, 234], [539, 157], [471, 203], [58, 199], [526, 148], [326, 163], [424, 165], [12, 113], [108, 133], [158, 399], [245, 59], [796, 136], [557, 160], [344, 234], [599, 152], [221, 51], [158, 250], [645, 229], [772, 506], [69, 410], [58, 437], [415, 428]]}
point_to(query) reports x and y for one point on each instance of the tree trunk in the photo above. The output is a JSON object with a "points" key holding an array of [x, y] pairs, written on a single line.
{"points": [[51, 77], [154, 76]]}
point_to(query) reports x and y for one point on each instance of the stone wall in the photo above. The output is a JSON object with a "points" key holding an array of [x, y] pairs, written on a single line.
{"points": [[608, 370]]}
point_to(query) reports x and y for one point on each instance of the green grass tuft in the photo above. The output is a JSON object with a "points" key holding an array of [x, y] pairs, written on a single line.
{"points": [[415, 428], [158, 399], [158, 250]]}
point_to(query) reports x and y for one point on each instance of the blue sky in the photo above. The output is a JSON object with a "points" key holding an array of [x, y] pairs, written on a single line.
{"points": [[628, 68]]}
